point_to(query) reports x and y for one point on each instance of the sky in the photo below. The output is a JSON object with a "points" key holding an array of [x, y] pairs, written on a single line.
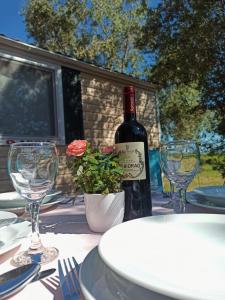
{"points": [[11, 22]]}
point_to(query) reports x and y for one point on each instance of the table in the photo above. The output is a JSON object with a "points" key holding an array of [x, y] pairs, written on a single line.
{"points": [[65, 227]]}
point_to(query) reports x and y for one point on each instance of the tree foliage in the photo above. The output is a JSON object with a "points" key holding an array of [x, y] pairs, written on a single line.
{"points": [[215, 146], [100, 32], [188, 39], [51, 24], [181, 115]]}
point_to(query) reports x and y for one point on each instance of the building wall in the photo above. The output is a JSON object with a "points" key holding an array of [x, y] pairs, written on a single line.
{"points": [[103, 110], [101, 93], [102, 114]]}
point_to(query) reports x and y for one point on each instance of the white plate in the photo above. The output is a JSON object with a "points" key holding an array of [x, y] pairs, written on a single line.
{"points": [[52, 202], [181, 256], [14, 200], [214, 194], [7, 218], [12, 235], [98, 282], [192, 199]]}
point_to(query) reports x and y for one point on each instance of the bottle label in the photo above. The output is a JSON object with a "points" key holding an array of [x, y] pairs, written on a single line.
{"points": [[132, 159]]}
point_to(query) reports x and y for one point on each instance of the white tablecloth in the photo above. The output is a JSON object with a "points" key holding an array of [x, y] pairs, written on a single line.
{"points": [[65, 227]]}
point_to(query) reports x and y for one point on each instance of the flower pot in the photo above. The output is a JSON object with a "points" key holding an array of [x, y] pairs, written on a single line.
{"points": [[104, 211]]}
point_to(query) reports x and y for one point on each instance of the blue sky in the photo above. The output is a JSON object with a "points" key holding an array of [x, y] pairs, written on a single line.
{"points": [[11, 22]]}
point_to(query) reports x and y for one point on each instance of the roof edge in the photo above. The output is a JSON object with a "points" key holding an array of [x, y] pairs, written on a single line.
{"points": [[80, 65]]}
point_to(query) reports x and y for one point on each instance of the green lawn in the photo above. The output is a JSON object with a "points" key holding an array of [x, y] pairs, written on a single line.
{"points": [[206, 176]]}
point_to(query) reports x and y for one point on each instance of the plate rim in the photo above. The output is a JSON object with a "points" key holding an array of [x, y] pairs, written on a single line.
{"points": [[52, 194], [200, 191], [17, 241], [84, 289], [11, 214], [194, 201], [88, 293], [43, 206], [171, 291]]}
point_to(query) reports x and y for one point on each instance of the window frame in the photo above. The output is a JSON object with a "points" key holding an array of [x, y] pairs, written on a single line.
{"points": [[58, 111]]}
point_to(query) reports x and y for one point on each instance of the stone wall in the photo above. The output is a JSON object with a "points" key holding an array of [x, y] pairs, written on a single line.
{"points": [[101, 104], [102, 114], [103, 110]]}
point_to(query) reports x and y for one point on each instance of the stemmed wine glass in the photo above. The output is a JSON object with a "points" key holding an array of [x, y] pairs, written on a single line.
{"points": [[32, 168], [180, 162]]}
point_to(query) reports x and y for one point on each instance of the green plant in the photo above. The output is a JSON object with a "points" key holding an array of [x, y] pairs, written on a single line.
{"points": [[94, 171]]}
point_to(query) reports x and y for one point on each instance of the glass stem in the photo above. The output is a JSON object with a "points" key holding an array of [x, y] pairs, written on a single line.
{"points": [[34, 207], [172, 189], [182, 197]]}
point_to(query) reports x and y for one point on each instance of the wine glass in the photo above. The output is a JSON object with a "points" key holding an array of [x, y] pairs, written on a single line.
{"points": [[32, 168], [180, 162]]}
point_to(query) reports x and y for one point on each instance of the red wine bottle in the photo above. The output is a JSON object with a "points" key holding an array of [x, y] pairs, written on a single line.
{"points": [[131, 143]]}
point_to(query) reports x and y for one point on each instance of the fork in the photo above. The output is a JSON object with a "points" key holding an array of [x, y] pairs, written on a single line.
{"points": [[69, 282]]}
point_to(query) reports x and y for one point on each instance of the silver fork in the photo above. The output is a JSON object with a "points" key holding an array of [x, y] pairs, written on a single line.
{"points": [[68, 277]]}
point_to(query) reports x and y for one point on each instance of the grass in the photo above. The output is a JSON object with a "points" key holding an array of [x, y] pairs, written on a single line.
{"points": [[206, 176]]}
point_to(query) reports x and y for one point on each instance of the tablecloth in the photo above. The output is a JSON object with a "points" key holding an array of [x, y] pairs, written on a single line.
{"points": [[65, 227]]}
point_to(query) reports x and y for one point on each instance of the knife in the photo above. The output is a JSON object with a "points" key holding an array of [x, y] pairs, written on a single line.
{"points": [[13, 281], [43, 274]]}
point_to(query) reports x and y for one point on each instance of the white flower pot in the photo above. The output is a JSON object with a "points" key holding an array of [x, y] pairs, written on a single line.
{"points": [[104, 211]]}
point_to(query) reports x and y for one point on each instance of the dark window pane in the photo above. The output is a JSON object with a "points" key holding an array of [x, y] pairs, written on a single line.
{"points": [[73, 113], [26, 100]]}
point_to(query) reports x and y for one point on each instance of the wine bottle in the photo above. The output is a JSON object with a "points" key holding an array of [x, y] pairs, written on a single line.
{"points": [[131, 143]]}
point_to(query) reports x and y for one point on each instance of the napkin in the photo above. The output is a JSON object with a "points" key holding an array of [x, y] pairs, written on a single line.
{"points": [[14, 200]]}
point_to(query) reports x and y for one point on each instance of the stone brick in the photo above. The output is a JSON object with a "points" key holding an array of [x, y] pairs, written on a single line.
{"points": [[102, 109], [102, 113]]}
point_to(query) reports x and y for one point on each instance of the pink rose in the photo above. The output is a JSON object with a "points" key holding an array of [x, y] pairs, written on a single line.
{"points": [[108, 149], [76, 148]]}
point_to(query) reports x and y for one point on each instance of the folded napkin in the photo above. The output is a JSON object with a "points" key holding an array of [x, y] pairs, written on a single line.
{"points": [[14, 200]]}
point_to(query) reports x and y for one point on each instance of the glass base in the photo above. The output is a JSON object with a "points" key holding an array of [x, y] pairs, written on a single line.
{"points": [[44, 256], [169, 204]]}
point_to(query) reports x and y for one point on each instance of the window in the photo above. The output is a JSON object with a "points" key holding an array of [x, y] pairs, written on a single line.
{"points": [[31, 102]]}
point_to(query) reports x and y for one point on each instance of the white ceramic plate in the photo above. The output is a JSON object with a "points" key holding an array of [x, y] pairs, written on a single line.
{"points": [[192, 199], [12, 235], [7, 218], [14, 200], [44, 206], [98, 282], [213, 194], [181, 256]]}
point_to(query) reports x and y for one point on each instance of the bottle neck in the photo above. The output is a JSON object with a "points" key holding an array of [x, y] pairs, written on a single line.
{"points": [[129, 107]]}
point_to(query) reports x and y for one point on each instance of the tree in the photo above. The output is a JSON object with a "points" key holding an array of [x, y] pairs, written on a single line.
{"points": [[101, 32], [51, 24], [176, 32], [181, 116], [188, 39]]}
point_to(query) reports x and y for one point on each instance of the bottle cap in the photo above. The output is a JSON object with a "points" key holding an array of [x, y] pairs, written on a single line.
{"points": [[129, 90]]}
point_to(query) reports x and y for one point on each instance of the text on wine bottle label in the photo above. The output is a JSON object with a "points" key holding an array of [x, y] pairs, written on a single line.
{"points": [[132, 159]]}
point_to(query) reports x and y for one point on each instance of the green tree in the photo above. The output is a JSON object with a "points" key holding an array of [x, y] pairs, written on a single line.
{"points": [[181, 115], [51, 24], [188, 38], [102, 32]]}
